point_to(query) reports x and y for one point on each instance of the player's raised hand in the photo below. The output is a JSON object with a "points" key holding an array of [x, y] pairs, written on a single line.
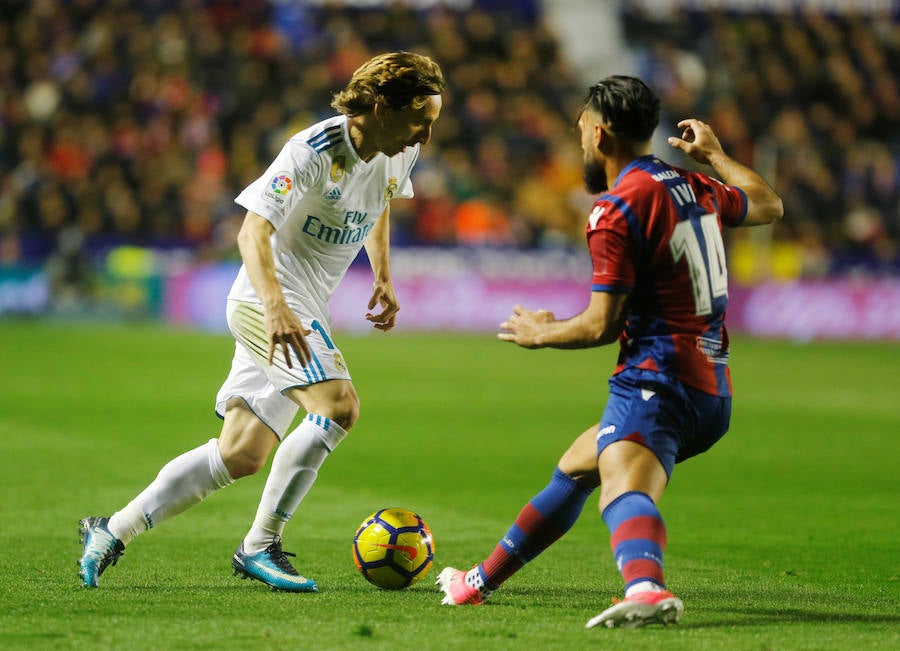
{"points": [[697, 140], [284, 328], [524, 327], [383, 295]]}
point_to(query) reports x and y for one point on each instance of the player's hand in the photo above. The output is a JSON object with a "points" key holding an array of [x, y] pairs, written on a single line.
{"points": [[524, 327], [383, 295], [697, 140], [284, 329]]}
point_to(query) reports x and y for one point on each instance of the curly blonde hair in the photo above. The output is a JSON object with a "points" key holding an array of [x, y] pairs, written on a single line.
{"points": [[396, 79]]}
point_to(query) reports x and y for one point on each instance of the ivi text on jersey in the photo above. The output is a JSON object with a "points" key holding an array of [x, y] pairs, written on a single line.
{"points": [[336, 235], [682, 193]]}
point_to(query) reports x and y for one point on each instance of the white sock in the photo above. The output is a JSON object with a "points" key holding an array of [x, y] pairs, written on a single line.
{"points": [[294, 469], [183, 482], [475, 580], [644, 586]]}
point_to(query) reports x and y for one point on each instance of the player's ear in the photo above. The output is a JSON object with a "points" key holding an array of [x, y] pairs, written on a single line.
{"points": [[604, 139]]}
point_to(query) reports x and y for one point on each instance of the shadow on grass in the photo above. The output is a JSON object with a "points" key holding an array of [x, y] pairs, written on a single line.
{"points": [[518, 597], [756, 616]]}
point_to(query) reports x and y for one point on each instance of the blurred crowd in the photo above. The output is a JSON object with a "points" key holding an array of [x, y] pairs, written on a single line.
{"points": [[810, 99], [127, 122]]}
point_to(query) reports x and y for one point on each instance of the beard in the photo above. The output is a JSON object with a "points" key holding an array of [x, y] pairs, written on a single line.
{"points": [[594, 177]]}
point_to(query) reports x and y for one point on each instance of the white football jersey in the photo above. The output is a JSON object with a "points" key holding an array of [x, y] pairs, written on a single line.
{"points": [[323, 201]]}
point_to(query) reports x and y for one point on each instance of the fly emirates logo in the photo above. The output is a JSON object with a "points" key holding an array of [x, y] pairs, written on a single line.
{"points": [[353, 231]]}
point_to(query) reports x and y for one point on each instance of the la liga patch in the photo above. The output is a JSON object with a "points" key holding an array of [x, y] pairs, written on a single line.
{"points": [[277, 189], [281, 183]]}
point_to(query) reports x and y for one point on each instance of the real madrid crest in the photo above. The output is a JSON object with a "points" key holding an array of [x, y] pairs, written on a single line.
{"points": [[337, 168], [391, 188]]}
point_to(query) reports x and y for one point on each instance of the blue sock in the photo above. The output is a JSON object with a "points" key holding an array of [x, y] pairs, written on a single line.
{"points": [[638, 538], [549, 515]]}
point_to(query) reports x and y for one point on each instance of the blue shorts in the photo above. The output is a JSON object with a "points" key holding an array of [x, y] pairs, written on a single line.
{"points": [[673, 420]]}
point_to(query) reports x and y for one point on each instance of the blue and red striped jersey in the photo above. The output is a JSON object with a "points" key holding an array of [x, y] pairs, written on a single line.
{"points": [[657, 235]]}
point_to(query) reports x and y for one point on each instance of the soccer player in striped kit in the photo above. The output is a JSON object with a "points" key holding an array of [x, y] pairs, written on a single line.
{"points": [[659, 288], [324, 197]]}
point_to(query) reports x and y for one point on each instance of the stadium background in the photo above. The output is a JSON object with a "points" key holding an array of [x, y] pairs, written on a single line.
{"points": [[127, 128]]}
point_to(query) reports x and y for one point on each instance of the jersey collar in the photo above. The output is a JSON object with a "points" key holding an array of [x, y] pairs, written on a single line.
{"points": [[641, 162]]}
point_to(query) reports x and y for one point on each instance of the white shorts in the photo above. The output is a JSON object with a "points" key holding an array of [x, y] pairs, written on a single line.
{"points": [[260, 385]]}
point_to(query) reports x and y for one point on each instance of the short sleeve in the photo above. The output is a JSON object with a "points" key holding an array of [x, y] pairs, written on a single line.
{"points": [[612, 249], [732, 202], [274, 194]]}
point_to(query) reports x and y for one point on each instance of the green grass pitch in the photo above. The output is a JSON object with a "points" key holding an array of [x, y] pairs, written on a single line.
{"points": [[784, 536]]}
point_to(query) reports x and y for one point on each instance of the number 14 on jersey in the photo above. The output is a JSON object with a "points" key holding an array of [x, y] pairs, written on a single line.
{"points": [[709, 274]]}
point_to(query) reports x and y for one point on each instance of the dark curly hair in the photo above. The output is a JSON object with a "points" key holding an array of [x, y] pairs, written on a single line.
{"points": [[627, 105]]}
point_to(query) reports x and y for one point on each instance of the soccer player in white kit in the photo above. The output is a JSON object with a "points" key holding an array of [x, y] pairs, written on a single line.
{"points": [[325, 196]]}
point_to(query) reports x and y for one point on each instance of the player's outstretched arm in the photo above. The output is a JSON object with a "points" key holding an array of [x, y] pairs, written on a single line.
{"points": [[598, 325], [378, 248], [283, 327], [700, 143]]}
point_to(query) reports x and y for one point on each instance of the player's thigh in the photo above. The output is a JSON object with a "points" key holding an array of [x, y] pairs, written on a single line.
{"points": [[322, 387], [580, 460], [626, 466]]}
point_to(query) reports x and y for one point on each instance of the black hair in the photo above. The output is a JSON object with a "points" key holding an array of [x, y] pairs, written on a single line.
{"points": [[627, 105]]}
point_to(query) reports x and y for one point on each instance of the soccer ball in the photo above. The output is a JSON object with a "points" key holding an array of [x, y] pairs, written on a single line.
{"points": [[393, 548]]}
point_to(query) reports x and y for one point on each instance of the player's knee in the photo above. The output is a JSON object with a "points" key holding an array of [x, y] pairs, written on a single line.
{"points": [[346, 410], [243, 456], [337, 401], [242, 462]]}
